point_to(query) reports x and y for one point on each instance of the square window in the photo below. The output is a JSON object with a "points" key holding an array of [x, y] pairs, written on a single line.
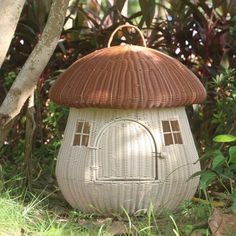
{"points": [[171, 132], [81, 137]]}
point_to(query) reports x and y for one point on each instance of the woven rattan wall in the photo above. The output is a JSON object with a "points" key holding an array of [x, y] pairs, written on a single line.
{"points": [[78, 167]]}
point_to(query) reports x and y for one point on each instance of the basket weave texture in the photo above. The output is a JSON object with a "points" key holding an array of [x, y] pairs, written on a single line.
{"points": [[127, 77]]}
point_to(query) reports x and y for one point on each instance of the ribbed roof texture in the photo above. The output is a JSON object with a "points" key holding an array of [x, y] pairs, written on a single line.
{"points": [[127, 77]]}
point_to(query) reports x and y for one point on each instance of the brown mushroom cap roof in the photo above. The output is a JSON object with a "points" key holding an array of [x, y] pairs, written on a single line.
{"points": [[127, 77]]}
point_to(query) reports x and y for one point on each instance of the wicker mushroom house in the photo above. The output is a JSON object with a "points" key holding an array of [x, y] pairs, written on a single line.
{"points": [[127, 141]]}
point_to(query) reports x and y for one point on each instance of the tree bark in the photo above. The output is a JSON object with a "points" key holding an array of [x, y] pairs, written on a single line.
{"points": [[10, 11], [5, 130], [29, 134], [26, 80]]}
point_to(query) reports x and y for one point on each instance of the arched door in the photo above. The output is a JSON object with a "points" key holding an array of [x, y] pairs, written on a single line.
{"points": [[126, 150]]}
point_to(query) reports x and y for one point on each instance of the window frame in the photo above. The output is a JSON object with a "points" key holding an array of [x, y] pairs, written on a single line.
{"points": [[175, 140], [81, 133]]}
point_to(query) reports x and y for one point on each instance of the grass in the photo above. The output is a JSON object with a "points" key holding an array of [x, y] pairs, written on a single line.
{"points": [[28, 214], [43, 211], [18, 218]]}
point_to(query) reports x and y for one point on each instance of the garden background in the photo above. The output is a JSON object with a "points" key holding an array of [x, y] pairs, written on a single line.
{"points": [[200, 34]]}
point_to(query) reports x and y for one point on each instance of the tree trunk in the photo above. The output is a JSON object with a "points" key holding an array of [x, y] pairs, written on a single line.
{"points": [[26, 80], [5, 130], [10, 11], [29, 134]]}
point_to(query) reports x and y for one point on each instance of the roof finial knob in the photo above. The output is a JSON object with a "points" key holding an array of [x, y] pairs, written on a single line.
{"points": [[126, 26]]}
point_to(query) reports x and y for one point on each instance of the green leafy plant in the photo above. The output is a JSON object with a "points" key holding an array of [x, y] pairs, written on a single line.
{"points": [[219, 174]]}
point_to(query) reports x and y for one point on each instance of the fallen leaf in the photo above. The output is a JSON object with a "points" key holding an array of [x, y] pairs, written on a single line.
{"points": [[82, 222], [117, 228], [196, 233], [102, 221], [221, 224]]}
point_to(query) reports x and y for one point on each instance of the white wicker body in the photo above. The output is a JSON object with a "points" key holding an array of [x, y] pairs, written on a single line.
{"points": [[126, 163]]}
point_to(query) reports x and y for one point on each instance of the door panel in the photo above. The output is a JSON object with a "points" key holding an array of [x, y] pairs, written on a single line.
{"points": [[126, 151]]}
